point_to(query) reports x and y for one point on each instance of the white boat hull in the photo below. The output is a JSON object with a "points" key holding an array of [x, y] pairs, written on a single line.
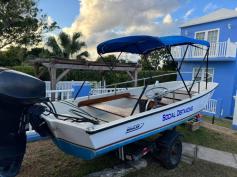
{"points": [[90, 143]]}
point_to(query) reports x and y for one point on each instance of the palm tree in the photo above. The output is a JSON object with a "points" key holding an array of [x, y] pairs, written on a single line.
{"points": [[67, 46]]}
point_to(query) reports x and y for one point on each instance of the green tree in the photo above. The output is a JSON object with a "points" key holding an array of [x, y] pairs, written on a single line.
{"points": [[38, 52], [67, 46], [169, 65], [22, 23], [110, 59], [153, 60], [12, 56]]}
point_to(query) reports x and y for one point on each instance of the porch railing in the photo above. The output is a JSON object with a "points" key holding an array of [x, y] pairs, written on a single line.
{"points": [[219, 49], [105, 90], [211, 106], [60, 94], [65, 85]]}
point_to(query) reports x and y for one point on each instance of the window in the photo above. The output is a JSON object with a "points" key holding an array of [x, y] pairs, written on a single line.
{"points": [[200, 35], [202, 74], [210, 35]]}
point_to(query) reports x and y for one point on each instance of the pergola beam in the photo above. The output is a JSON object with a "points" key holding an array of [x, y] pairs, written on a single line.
{"points": [[89, 67], [64, 73], [68, 65]]}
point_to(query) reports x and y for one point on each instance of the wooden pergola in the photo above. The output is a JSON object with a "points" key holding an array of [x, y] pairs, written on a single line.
{"points": [[67, 65]]}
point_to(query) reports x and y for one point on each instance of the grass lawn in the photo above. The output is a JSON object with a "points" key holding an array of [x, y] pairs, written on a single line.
{"points": [[209, 138], [218, 121], [198, 169], [43, 158]]}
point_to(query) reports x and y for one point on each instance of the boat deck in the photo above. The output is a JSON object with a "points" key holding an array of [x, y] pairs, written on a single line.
{"points": [[111, 110], [111, 107]]}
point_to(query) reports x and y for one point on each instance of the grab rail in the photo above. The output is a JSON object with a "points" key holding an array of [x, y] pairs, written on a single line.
{"points": [[142, 79]]}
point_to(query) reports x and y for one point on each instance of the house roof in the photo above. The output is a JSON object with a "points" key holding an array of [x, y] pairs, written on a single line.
{"points": [[220, 14]]}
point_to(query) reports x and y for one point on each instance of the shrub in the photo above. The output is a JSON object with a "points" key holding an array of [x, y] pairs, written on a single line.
{"points": [[25, 69]]}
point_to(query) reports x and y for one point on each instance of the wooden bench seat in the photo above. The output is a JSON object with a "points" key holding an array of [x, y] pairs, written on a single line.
{"points": [[103, 99], [113, 110]]}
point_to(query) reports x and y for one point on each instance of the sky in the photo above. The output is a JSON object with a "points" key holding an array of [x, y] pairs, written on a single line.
{"points": [[99, 20]]}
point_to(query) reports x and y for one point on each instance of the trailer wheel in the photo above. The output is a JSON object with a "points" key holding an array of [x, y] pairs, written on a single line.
{"points": [[170, 154]]}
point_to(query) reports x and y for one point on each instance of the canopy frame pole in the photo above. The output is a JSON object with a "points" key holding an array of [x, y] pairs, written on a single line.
{"points": [[111, 68], [199, 69], [114, 62], [197, 46], [183, 57], [79, 91], [207, 54], [178, 70], [138, 100], [144, 88]]}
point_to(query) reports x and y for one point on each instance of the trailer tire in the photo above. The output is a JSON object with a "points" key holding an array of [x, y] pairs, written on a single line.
{"points": [[169, 156]]}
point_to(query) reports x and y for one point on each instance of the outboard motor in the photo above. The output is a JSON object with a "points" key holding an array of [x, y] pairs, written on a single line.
{"points": [[18, 92]]}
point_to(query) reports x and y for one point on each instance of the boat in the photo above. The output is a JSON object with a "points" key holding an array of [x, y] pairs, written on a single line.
{"points": [[109, 121], [93, 125]]}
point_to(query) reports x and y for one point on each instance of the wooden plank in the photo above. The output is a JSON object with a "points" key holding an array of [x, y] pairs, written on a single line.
{"points": [[91, 67], [53, 77], [123, 112], [135, 78], [96, 107], [103, 99]]}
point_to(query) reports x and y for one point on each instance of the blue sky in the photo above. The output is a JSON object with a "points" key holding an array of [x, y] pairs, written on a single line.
{"points": [[99, 20], [65, 11]]}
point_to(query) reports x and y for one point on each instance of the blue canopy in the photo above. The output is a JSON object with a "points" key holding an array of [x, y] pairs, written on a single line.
{"points": [[145, 44]]}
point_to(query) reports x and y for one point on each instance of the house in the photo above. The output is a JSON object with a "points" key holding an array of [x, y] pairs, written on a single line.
{"points": [[220, 29]]}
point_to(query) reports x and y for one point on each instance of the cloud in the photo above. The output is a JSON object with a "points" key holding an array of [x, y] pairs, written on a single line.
{"points": [[168, 19], [101, 20], [236, 9], [49, 20], [210, 7], [188, 13]]}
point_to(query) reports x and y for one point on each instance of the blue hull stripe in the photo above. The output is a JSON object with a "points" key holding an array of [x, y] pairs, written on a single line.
{"points": [[88, 154]]}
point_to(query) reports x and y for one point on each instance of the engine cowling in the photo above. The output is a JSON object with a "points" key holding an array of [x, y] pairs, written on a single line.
{"points": [[18, 92]]}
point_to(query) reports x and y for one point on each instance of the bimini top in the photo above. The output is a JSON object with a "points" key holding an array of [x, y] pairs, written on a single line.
{"points": [[145, 44]]}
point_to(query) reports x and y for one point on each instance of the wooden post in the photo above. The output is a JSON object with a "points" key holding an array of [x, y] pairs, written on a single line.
{"points": [[135, 78], [53, 76]]}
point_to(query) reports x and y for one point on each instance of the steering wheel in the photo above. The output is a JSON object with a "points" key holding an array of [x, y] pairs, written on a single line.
{"points": [[156, 92]]}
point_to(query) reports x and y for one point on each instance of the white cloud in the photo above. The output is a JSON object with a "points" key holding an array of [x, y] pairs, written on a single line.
{"points": [[236, 9], [49, 20], [168, 19], [101, 20], [188, 13], [210, 7]]}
